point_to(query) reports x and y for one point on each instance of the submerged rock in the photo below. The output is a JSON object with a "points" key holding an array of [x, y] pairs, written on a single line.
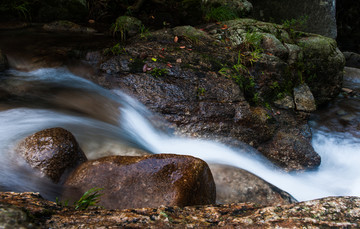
{"points": [[352, 59], [148, 181], [234, 185], [54, 152], [330, 212], [67, 26]]}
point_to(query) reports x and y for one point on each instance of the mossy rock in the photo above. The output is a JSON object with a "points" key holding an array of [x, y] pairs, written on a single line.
{"points": [[126, 26], [190, 33]]}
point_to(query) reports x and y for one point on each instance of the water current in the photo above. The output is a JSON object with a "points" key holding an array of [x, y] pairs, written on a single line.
{"points": [[106, 121]]}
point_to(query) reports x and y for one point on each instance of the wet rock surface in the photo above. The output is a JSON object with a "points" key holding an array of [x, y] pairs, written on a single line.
{"points": [[234, 185], [189, 76], [53, 152], [337, 212], [148, 181]]}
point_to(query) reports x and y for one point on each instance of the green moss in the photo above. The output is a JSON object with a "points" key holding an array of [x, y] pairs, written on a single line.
{"points": [[159, 72], [221, 13]]}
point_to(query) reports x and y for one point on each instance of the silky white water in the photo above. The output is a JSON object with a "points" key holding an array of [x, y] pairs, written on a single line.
{"points": [[56, 98]]}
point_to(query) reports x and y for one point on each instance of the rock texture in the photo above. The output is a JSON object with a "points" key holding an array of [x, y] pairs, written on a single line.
{"points": [[304, 99], [54, 152], [234, 185], [148, 181], [320, 13], [331, 212]]}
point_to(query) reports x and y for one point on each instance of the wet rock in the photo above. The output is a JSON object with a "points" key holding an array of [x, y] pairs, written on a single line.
{"points": [[352, 59], [67, 26], [330, 212], [304, 99], [234, 185], [54, 152], [285, 103], [3, 62], [291, 150], [148, 181]]}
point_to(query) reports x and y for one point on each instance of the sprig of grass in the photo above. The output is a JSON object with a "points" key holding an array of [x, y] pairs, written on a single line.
{"points": [[90, 198]]}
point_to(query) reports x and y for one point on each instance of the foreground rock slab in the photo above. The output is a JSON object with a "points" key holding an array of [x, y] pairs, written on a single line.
{"points": [[338, 212], [148, 181]]}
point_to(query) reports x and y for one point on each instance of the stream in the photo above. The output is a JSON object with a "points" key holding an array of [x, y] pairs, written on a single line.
{"points": [[107, 121]]}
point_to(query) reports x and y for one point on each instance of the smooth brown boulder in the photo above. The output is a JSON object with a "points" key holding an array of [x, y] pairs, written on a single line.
{"points": [[54, 152], [235, 185], [147, 181]]}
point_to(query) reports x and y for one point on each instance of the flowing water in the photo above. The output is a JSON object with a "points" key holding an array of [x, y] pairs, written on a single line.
{"points": [[104, 121]]}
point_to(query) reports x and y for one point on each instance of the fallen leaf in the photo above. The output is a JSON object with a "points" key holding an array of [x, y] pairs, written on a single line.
{"points": [[224, 27], [91, 21], [176, 39], [161, 56], [154, 59], [178, 60], [182, 47], [169, 65]]}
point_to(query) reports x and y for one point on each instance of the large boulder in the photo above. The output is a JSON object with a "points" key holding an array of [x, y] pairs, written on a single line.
{"points": [[320, 14], [53, 152], [235, 185], [148, 181]]}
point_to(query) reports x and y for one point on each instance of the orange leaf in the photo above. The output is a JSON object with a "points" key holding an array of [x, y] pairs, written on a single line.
{"points": [[176, 39], [182, 47]]}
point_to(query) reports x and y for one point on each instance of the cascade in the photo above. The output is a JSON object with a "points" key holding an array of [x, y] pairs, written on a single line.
{"points": [[55, 97]]}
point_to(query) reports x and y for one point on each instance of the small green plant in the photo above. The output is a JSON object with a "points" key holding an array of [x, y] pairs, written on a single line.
{"points": [[115, 50], [293, 26], [61, 203], [144, 32], [201, 91], [158, 72], [20, 7], [221, 13], [89, 198]]}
